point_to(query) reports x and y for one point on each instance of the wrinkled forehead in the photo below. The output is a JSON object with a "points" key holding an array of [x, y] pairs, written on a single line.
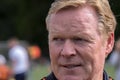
{"points": [[72, 18], [71, 11], [73, 14]]}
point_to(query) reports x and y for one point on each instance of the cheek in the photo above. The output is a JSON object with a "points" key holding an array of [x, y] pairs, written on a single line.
{"points": [[98, 58], [87, 52], [54, 57], [92, 54], [54, 52]]}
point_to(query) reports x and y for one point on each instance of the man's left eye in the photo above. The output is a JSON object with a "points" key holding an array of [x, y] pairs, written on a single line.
{"points": [[79, 39]]}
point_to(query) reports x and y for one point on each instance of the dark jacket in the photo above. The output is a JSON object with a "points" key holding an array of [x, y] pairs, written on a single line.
{"points": [[52, 77]]}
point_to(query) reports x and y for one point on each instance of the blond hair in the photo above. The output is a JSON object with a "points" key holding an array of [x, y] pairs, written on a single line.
{"points": [[107, 22]]}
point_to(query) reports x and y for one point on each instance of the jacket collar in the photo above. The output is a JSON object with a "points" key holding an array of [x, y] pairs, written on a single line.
{"points": [[105, 76], [51, 77]]}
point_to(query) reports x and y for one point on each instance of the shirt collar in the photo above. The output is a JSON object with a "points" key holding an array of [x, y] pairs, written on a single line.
{"points": [[105, 76]]}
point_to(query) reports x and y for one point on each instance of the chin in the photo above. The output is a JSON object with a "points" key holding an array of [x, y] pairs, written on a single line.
{"points": [[72, 74]]}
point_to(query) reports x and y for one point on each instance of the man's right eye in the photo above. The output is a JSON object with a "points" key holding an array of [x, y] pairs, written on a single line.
{"points": [[58, 39]]}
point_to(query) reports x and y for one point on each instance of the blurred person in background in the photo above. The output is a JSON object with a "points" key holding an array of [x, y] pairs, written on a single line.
{"points": [[5, 72], [35, 55], [115, 59], [19, 58], [35, 52], [81, 36]]}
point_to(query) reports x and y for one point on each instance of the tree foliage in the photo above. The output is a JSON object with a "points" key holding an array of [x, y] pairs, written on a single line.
{"points": [[115, 6]]}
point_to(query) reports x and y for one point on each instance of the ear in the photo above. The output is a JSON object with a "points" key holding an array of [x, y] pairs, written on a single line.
{"points": [[110, 43]]}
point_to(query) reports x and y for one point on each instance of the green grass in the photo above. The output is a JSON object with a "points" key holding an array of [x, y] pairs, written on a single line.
{"points": [[39, 71], [110, 70]]}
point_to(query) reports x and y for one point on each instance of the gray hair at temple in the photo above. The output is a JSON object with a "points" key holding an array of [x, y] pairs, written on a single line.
{"points": [[106, 18]]}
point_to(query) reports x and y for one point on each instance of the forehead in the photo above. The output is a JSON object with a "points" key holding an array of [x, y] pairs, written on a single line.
{"points": [[73, 16], [71, 10]]}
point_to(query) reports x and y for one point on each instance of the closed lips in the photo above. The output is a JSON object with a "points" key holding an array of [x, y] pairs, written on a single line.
{"points": [[72, 65]]}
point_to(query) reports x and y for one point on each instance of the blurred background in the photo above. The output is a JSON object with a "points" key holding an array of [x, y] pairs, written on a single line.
{"points": [[25, 19]]}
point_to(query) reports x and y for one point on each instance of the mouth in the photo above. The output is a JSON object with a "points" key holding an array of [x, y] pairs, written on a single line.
{"points": [[70, 66]]}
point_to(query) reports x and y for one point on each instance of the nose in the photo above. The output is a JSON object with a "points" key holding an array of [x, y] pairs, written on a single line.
{"points": [[68, 50]]}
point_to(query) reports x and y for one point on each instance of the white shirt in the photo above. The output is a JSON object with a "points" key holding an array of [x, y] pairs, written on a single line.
{"points": [[114, 58], [2, 60], [19, 58]]}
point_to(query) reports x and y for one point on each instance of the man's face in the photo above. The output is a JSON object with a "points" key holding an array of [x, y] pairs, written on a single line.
{"points": [[76, 48]]}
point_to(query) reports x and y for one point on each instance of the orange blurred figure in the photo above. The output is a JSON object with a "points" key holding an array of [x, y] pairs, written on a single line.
{"points": [[5, 71], [35, 52]]}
